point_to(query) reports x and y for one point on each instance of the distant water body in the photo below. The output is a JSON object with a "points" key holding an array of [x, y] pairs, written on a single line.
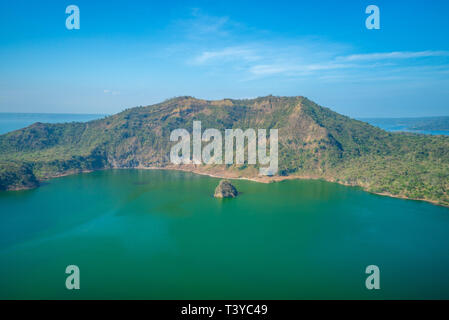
{"points": [[14, 121], [154, 234], [401, 125]]}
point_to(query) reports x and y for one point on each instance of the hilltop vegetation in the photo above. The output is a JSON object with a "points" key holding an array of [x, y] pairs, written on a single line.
{"points": [[314, 142]]}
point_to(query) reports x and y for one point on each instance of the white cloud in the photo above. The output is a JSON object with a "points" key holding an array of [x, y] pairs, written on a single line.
{"points": [[201, 26], [394, 55], [226, 54], [295, 69], [266, 69], [264, 60], [111, 92], [222, 46]]}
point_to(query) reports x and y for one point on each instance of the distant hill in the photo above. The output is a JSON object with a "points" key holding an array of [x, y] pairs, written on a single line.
{"points": [[434, 125], [314, 142]]}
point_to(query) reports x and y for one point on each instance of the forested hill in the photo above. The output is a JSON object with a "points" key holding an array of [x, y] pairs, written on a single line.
{"points": [[314, 142]]}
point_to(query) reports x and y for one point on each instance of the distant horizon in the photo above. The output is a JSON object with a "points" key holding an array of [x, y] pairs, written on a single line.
{"points": [[111, 114], [146, 105]]}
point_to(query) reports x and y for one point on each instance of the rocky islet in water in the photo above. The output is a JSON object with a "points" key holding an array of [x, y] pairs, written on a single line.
{"points": [[225, 189]]}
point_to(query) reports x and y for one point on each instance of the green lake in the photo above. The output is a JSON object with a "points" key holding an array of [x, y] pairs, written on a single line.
{"points": [[155, 234]]}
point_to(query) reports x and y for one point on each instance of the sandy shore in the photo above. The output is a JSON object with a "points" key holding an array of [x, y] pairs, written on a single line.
{"points": [[221, 173]]}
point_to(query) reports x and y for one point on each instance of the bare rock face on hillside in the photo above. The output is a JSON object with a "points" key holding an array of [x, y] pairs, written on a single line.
{"points": [[314, 142], [225, 190]]}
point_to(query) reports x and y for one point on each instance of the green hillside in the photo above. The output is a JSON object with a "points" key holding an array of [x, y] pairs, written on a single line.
{"points": [[314, 142]]}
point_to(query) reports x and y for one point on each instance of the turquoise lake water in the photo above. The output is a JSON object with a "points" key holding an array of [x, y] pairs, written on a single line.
{"points": [[154, 234], [161, 235]]}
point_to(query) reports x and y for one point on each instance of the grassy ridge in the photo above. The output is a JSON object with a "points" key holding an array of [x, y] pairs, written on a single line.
{"points": [[313, 141]]}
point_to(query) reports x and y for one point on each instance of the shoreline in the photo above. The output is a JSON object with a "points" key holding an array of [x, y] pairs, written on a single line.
{"points": [[266, 179], [225, 174]]}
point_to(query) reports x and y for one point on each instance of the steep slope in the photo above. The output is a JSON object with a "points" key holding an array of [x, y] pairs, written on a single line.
{"points": [[314, 142]]}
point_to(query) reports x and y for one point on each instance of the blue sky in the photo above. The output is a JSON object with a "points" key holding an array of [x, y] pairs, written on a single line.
{"points": [[130, 53]]}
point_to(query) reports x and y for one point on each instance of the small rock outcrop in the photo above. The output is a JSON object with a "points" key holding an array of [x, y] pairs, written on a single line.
{"points": [[225, 190]]}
